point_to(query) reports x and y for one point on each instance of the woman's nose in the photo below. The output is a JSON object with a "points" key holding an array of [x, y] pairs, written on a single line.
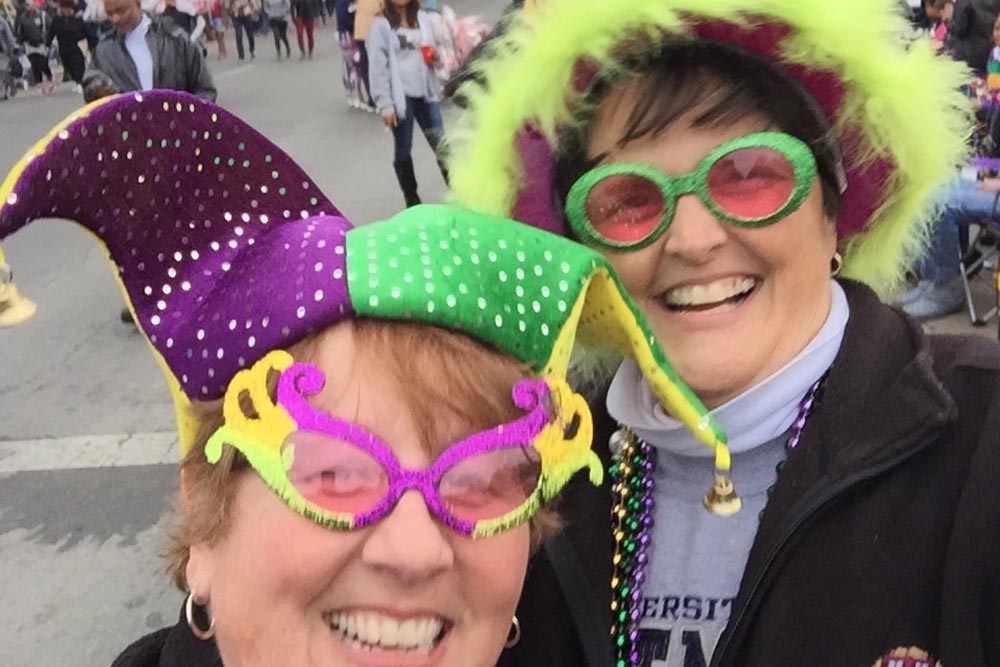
{"points": [[409, 544], [695, 233]]}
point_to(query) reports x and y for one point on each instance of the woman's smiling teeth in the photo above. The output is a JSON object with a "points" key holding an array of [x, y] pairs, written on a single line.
{"points": [[373, 630], [709, 295]]}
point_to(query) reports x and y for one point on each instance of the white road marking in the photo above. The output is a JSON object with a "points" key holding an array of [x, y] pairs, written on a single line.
{"points": [[88, 451]]}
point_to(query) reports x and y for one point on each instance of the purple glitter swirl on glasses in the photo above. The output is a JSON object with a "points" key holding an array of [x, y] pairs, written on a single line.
{"points": [[302, 380]]}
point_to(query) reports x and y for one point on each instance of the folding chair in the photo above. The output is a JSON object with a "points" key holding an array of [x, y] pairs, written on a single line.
{"points": [[983, 245]]}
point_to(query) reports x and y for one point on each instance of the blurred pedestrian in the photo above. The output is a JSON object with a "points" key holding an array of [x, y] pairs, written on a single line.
{"points": [[96, 24], [357, 94], [68, 31], [174, 17], [124, 60], [364, 16], [9, 64], [970, 32], [217, 14], [33, 30], [303, 16], [241, 13], [404, 86], [938, 13], [277, 12]]}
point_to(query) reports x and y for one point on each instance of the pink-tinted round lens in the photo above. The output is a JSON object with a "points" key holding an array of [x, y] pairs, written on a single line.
{"points": [[490, 485], [333, 474], [752, 183], [625, 208]]}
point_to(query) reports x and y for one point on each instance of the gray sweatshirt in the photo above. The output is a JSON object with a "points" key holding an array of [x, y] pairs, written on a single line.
{"points": [[277, 9], [387, 87]]}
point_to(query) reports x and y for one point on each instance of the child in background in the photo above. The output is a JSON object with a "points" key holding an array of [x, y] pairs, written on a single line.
{"points": [[354, 88], [939, 12]]}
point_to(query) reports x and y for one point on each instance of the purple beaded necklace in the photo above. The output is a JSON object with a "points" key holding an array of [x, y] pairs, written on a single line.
{"points": [[632, 520]]}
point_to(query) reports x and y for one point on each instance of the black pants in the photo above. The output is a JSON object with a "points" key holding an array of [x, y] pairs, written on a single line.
{"points": [[244, 24], [363, 66], [279, 28], [40, 66], [73, 62]]}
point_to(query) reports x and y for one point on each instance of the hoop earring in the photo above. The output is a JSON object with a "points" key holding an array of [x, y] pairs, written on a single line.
{"points": [[836, 264], [196, 630], [515, 634]]}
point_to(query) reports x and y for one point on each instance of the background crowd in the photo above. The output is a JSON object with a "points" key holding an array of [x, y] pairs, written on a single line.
{"points": [[967, 31]]}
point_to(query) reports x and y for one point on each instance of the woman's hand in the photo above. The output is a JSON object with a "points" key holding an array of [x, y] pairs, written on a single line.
{"points": [[389, 118]]}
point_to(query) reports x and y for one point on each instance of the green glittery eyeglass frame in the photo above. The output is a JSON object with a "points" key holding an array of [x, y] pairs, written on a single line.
{"points": [[796, 155]]}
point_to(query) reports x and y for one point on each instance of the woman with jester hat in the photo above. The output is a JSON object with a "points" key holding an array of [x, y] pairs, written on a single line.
{"points": [[373, 421], [757, 171]]}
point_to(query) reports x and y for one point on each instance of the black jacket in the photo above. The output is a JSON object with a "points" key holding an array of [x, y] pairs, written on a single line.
{"points": [[970, 32], [302, 9], [33, 28], [69, 31], [177, 64], [170, 647], [883, 530]]}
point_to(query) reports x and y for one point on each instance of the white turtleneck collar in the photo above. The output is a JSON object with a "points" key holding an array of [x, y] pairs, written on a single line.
{"points": [[758, 415]]}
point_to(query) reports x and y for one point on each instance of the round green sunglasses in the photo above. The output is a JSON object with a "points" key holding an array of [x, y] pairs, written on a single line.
{"points": [[751, 181]]}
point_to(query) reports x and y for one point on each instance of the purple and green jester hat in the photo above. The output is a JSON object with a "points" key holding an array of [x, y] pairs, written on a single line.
{"points": [[228, 253]]}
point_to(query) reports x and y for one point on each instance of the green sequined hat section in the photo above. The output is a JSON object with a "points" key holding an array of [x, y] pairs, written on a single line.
{"points": [[526, 291], [501, 282]]}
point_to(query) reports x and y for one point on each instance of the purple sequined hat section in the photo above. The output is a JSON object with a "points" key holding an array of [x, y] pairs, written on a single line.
{"points": [[226, 248]]}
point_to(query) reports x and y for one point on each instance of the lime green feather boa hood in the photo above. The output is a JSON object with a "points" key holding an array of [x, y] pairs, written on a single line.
{"points": [[897, 111]]}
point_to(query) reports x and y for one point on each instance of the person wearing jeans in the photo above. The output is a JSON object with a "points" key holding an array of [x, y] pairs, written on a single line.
{"points": [[242, 14], [404, 87], [940, 291]]}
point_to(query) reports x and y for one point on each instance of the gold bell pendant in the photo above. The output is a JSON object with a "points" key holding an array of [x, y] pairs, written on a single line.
{"points": [[15, 308], [721, 499]]}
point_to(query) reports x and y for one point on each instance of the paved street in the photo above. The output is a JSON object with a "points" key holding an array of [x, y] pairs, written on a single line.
{"points": [[87, 451]]}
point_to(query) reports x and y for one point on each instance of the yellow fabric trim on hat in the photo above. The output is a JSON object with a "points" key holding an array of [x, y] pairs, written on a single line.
{"points": [[604, 317], [187, 425], [272, 424], [562, 457]]}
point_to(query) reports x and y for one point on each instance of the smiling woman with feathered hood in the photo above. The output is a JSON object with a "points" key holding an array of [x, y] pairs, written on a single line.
{"points": [[756, 171]]}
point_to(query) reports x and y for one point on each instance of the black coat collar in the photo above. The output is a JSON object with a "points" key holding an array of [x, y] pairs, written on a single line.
{"points": [[170, 647]]}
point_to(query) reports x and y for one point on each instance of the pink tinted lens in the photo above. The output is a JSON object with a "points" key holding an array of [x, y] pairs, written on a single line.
{"points": [[625, 208], [334, 474], [490, 485], [752, 183]]}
